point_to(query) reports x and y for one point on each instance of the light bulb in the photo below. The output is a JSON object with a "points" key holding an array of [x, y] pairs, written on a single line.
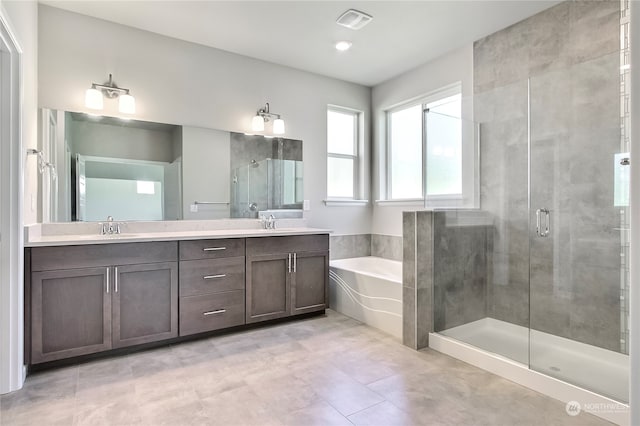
{"points": [[127, 104], [257, 124], [278, 126], [343, 45], [93, 99]]}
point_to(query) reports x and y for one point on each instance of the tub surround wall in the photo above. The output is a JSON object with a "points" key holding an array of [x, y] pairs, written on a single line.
{"points": [[348, 246], [409, 305], [386, 246], [574, 87], [417, 278], [361, 245]]}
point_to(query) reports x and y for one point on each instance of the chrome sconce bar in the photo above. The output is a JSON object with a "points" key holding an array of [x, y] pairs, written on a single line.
{"points": [[262, 116]]}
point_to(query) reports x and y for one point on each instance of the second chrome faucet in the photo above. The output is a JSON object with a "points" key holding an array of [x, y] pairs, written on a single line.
{"points": [[268, 223], [110, 227]]}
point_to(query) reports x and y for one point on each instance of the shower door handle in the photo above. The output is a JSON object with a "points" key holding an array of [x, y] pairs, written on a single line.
{"points": [[543, 229]]}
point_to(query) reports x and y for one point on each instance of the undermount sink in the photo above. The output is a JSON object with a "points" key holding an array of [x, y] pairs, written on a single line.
{"points": [[123, 235]]}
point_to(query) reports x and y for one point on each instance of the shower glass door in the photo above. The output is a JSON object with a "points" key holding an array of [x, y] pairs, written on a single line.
{"points": [[578, 226], [481, 257]]}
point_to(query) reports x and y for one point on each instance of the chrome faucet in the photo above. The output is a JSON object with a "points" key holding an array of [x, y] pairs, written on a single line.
{"points": [[268, 223], [110, 227]]}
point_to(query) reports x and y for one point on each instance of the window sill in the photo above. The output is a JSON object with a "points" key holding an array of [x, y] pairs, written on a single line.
{"points": [[413, 202], [432, 201], [345, 203]]}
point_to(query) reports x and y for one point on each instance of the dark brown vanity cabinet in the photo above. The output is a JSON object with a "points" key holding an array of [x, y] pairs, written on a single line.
{"points": [[92, 298], [211, 285], [87, 299], [144, 303], [311, 284], [286, 276], [70, 313]]}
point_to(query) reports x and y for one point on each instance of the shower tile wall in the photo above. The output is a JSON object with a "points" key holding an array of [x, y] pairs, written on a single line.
{"points": [[460, 240], [444, 271], [570, 54], [258, 182], [249, 183]]}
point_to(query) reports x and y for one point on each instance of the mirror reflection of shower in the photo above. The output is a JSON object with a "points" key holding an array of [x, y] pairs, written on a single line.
{"points": [[266, 176]]}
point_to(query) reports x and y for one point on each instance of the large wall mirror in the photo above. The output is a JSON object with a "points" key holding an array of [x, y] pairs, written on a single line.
{"points": [[137, 170]]}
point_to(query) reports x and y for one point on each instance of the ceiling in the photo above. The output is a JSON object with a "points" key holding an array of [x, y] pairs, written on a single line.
{"points": [[302, 34]]}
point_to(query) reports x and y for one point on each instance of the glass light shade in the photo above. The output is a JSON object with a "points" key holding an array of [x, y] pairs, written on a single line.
{"points": [[127, 104], [343, 45], [257, 124], [93, 99], [278, 126]]}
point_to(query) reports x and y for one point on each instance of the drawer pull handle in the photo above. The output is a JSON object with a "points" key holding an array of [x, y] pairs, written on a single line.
{"points": [[217, 311], [214, 248], [210, 277]]}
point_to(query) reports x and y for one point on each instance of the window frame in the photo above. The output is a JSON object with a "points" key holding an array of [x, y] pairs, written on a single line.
{"points": [[356, 157], [424, 100]]}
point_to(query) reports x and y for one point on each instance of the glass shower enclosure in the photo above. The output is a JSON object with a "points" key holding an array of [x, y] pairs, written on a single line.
{"points": [[548, 286]]}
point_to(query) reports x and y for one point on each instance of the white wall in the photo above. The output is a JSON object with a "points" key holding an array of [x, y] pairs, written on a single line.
{"points": [[23, 16], [21, 19], [107, 140], [206, 172], [448, 69], [184, 83]]}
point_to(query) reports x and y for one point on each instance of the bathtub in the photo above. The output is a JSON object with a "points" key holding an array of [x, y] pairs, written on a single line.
{"points": [[368, 289]]}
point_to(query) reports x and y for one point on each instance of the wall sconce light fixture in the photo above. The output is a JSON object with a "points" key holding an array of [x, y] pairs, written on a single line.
{"points": [[262, 116], [94, 97]]}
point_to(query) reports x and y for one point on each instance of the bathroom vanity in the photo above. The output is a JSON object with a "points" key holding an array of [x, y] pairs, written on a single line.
{"points": [[89, 295]]}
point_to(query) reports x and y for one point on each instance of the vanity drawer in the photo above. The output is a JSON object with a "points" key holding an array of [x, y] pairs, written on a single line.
{"points": [[211, 312], [206, 276], [287, 244], [211, 249], [94, 255]]}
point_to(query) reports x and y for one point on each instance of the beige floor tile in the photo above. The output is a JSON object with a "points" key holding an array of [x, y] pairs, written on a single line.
{"points": [[384, 413], [320, 414], [328, 370]]}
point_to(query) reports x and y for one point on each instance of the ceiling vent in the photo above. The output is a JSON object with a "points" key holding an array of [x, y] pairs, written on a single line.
{"points": [[354, 19]]}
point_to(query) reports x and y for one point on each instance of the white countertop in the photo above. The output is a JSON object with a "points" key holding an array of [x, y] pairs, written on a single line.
{"points": [[81, 239]]}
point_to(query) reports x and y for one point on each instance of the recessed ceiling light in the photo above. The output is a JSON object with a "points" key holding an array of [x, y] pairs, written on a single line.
{"points": [[343, 45]]}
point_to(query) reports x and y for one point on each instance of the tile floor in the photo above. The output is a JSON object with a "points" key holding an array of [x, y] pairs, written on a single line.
{"points": [[328, 370]]}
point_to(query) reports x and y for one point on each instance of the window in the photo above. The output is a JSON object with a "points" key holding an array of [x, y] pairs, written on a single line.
{"points": [[405, 152], [444, 146], [432, 126], [342, 153]]}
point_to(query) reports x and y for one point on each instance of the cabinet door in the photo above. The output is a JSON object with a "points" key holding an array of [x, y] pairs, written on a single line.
{"points": [[309, 291], [71, 313], [145, 303], [268, 287]]}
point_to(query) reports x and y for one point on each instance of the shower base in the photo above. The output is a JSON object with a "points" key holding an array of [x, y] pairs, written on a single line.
{"points": [[564, 369]]}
